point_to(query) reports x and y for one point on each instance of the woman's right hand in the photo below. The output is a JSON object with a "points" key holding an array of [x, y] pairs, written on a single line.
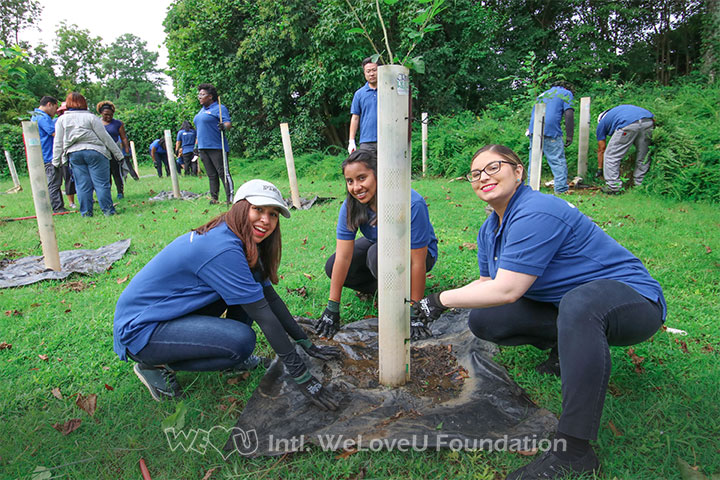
{"points": [[329, 324]]}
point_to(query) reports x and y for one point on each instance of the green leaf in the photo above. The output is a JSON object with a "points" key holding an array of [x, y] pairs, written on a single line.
{"points": [[417, 64], [41, 473], [177, 419], [355, 30], [439, 426], [420, 19], [390, 2], [424, 1]]}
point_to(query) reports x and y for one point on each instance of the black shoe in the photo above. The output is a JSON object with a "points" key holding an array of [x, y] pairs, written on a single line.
{"points": [[61, 210], [214, 201], [549, 466], [599, 173], [610, 191], [551, 366], [160, 381]]}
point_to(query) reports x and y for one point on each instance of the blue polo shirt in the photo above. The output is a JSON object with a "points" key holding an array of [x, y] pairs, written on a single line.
{"points": [[364, 103], [206, 121], [192, 272], [46, 126], [158, 147], [422, 233], [619, 117], [556, 101], [548, 237], [187, 140]]}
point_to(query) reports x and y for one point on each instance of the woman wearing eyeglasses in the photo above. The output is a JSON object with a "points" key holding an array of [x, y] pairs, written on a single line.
{"points": [[551, 278]]}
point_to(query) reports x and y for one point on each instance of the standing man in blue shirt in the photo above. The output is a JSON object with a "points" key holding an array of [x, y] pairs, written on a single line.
{"points": [[558, 101], [363, 112], [626, 125], [43, 116]]}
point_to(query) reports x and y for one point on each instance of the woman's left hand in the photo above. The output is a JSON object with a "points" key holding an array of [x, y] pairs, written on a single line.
{"points": [[324, 352]]}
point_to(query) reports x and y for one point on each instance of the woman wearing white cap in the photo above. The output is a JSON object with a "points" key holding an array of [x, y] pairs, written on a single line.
{"points": [[168, 317]]}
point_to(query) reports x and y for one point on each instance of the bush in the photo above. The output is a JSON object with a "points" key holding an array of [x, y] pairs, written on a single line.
{"points": [[11, 139], [145, 123]]}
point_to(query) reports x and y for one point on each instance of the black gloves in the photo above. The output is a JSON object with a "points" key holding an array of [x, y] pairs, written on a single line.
{"points": [[221, 126], [329, 323], [313, 390], [429, 308], [323, 352], [418, 329], [196, 152]]}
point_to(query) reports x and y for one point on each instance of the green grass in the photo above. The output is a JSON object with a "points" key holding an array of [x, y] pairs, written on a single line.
{"points": [[668, 411]]}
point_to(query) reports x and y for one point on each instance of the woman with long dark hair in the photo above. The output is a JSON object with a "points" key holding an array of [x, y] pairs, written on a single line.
{"points": [[355, 262], [169, 316]]}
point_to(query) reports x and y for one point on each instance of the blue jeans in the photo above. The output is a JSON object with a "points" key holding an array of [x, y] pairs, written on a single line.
{"points": [[588, 320], [91, 170], [201, 341], [554, 151]]}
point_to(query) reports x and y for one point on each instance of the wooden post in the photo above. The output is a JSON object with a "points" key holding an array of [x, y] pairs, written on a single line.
{"points": [[41, 197], [173, 166], [290, 162], [393, 203], [536, 160], [13, 173], [424, 120], [135, 164], [584, 140]]}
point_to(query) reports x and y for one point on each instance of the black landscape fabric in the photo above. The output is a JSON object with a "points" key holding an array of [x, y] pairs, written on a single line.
{"points": [[458, 398]]}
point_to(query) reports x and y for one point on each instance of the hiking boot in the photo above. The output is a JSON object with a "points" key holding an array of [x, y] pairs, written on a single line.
{"points": [[551, 366], [160, 381], [549, 466], [248, 364], [61, 210], [610, 191]]}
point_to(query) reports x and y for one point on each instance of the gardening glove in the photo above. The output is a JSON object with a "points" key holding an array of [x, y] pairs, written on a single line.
{"points": [[323, 352], [599, 173], [221, 126], [313, 390], [196, 152], [568, 141], [429, 308], [351, 146], [329, 323], [418, 329]]}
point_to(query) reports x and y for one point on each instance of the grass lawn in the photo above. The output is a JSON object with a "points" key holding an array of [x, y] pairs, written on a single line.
{"points": [[663, 401]]}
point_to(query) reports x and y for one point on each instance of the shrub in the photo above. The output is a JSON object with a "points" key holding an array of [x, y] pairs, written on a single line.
{"points": [[11, 139]]}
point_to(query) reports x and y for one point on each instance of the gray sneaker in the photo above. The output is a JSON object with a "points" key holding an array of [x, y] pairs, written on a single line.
{"points": [[248, 364], [160, 381]]}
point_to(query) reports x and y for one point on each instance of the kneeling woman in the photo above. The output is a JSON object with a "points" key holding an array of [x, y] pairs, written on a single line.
{"points": [[354, 263], [551, 278], [168, 317]]}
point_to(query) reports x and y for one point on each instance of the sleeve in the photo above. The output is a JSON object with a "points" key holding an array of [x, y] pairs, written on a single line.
{"points": [[281, 311], [47, 125], [58, 143], [355, 106], [532, 242], [419, 225], [482, 254], [343, 232], [178, 137], [225, 114], [229, 275], [568, 102], [602, 129]]}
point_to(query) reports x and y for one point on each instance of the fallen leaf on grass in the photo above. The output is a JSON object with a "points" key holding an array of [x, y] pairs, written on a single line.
{"points": [[108, 387], [5, 346], [88, 404], [683, 345], [209, 473], [526, 453], [77, 245], [470, 246], [614, 429], [308, 276], [707, 349], [56, 393], [122, 280], [636, 360], [13, 313], [68, 427], [707, 249], [238, 379], [346, 453], [304, 241], [41, 473], [302, 291], [44, 358], [689, 473]]}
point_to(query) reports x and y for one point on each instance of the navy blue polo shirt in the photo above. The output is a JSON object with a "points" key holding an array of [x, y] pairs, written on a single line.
{"points": [[364, 103], [422, 233], [158, 148], [206, 121], [548, 237], [192, 272], [556, 101], [187, 140], [46, 126], [619, 117]]}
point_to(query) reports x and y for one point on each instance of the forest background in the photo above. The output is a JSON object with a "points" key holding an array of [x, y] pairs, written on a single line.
{"points": [[484, 64]]}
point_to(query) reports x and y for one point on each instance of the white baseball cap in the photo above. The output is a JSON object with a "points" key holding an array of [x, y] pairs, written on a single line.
{"points": [[262, 194]]}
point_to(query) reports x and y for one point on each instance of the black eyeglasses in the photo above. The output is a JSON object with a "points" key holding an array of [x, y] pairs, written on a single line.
{"points": [[491, 169]]}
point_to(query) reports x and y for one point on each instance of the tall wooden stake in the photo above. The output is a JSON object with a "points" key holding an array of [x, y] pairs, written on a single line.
{"points": [[173, 166], [584, 140], [41, 197], [135, 164], [536, 160], [424, 119], [393, 204], [290, 162], [13, 173]]}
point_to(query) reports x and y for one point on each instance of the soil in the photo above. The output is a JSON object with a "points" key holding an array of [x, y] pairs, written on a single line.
{"points": [[8, 257], [434, 371]]}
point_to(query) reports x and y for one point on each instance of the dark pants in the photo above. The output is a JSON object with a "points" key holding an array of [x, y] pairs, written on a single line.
{"points": [[54, 180], [213, 161], [69, 180], [362, 274], [201, 341], [589, 319], [369, 146], [190, 166], [116, 174], [160, 160]]}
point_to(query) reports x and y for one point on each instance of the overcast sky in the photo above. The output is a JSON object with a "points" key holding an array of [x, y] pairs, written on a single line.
{"points": [[108, 20]]}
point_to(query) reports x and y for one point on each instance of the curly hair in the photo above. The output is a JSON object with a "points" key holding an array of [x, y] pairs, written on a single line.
{"points": [[105, 104]]}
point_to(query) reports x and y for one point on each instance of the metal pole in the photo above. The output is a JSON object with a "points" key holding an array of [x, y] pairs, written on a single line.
{"points": [[290, 162], [41, 197], [132, 150], [172, 164], [13, 174], [393, 209], [584, 140], [536, 160], [424, 119]]}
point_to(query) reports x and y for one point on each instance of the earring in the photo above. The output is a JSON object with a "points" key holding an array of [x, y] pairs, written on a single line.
{"points": [[519, 180]]}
